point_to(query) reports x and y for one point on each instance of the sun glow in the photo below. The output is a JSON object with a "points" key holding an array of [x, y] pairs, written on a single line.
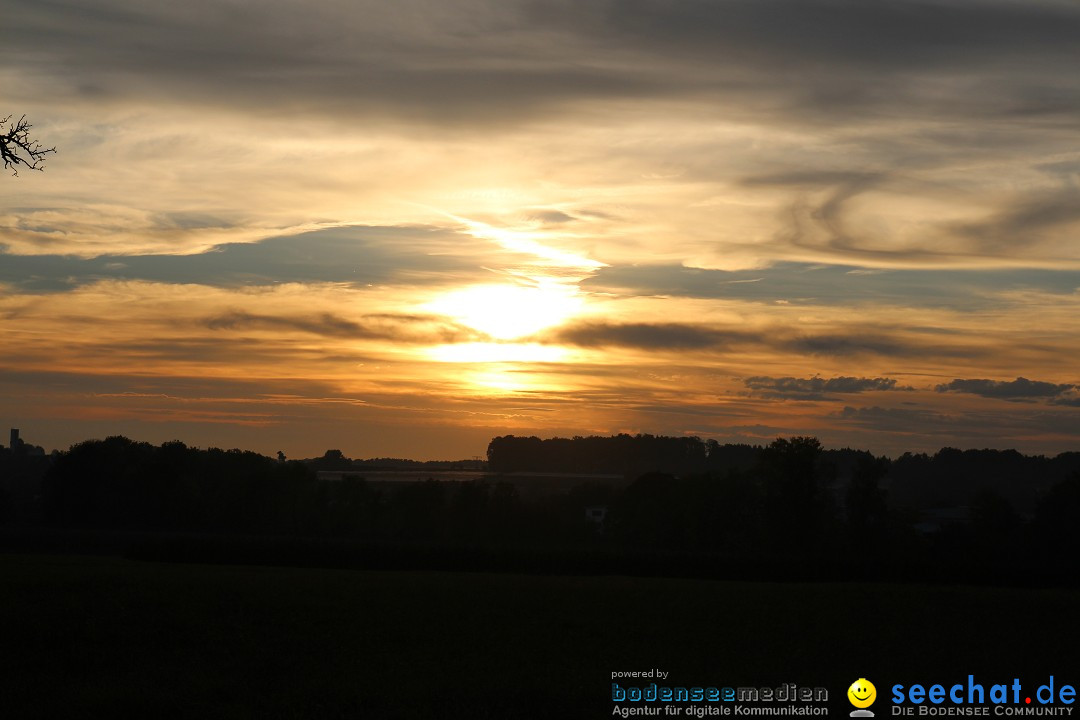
{"points": [[507, 312], [498, 353]]}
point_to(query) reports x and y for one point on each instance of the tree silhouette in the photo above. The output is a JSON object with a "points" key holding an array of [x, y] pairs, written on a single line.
{"points": [[18, 148], [793, 480]]}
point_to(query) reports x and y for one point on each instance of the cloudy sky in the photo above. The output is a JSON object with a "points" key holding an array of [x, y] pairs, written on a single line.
{"points": [[399, 229]]}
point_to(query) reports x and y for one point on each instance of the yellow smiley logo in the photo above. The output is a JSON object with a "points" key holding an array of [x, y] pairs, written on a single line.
{"points": [[862, 693]]}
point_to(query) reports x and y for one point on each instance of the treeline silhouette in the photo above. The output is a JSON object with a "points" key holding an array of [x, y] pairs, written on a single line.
{"points": [[641, 505], [620, 454], [950, 477]]}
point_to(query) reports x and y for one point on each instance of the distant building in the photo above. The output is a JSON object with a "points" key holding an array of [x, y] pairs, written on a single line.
{"points": [[17, 445]]}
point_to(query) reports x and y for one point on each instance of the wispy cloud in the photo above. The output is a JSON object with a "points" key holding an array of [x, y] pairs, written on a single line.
{"points": [[660, 336], [402, 328], [1026, 220], [966, 428], [822, 284], [846, 342]]}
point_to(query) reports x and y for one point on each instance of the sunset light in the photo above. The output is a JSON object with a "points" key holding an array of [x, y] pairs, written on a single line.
{"points": [[419, 207], [439, 358], [506, 312], [498, 353]]}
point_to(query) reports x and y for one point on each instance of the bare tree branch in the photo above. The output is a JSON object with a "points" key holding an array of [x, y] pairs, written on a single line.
{"points": [[18, 148]]}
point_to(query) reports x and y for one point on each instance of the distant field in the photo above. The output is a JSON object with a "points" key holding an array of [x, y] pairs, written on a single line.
{"points": [[91, 637]]}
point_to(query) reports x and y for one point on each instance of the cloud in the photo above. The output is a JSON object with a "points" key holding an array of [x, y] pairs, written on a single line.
{"points": [[813, 142], [1025, 221], [356, 256], [816, 388], [836, 58], [901, 33], [447, 62], [823, 284], [897, 419], [401, 328], [838, 103], [45, 382], [813, 179], [416, 59], [661, 336], [973, 429], [848, 342], [1019, 390], [820, 217], [854, 341], [550, 217]]}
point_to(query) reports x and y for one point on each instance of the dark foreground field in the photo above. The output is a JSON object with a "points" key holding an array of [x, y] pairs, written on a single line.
{"points": [[92, 637]]}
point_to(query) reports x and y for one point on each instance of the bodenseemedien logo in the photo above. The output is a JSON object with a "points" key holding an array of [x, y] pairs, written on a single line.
{"points": [[862, 694], [680, 700]]}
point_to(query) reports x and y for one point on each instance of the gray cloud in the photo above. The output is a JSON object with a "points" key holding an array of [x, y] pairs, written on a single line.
{"points": [[1019, 390], [662, 336], [1025, 221], [402, 328], [205, 350], [823, 225], [551, 217], [901, 85], [806, 283], [983, 429], [355, 256], [822, 222], [816, 388], [897, 419], [844, 57], [430, 61], [324, 324], [842, 345], [488, 61], [901, 33], [178, 386], [688, 336], [813, 179]]}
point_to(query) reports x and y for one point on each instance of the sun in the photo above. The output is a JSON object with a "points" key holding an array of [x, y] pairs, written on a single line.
{"points": [[508, 312]]}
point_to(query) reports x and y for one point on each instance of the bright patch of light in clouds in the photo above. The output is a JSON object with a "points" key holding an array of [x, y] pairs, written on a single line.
{"points": [[528, 243], [506, 312]]}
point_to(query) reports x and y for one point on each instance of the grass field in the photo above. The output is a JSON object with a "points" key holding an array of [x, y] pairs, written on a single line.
{"points": [[98, 637]]}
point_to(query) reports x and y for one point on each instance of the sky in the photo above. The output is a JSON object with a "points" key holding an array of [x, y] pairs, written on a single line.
{"points": [[400, 229]]}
